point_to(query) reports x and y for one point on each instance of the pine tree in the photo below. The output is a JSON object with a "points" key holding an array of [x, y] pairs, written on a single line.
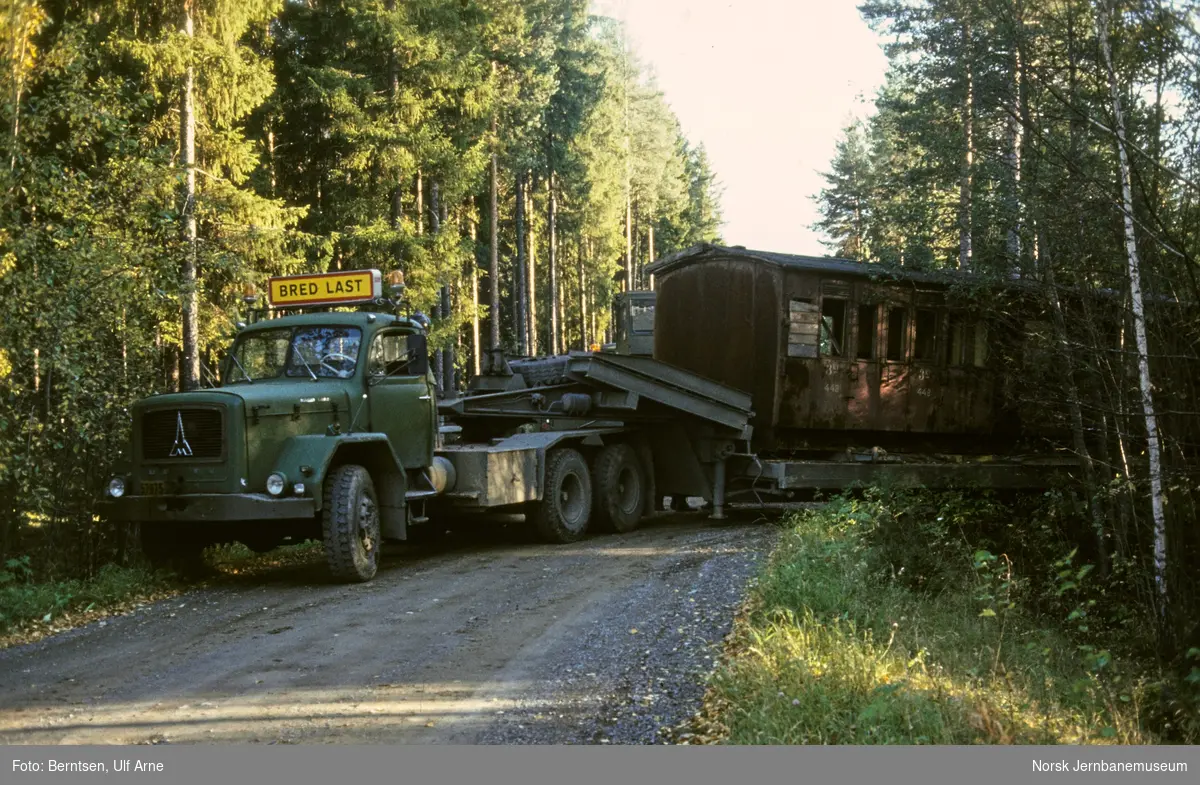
{"points": [[845, 203]]}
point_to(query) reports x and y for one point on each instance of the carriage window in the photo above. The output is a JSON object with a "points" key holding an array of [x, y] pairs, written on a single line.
{"points": [[925, 343], [896, 329], [866, 332], [833, 326], [956, 336]]}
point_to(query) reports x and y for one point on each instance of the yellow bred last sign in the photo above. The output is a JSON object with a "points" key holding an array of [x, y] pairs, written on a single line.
{"points": [[346, 288]]}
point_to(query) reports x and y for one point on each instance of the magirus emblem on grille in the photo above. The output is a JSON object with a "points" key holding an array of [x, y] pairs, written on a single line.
{"points": [[181, 448]]}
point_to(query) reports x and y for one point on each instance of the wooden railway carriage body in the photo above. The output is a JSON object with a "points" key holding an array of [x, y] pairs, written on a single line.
{"points": [[835, 353]]}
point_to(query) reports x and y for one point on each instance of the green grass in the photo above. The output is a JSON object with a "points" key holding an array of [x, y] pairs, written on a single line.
{"points": [[31, 605], [24, 600], [835, 648]]}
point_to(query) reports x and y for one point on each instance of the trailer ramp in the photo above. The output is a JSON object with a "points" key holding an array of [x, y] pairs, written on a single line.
{"points": [[608, 387]]}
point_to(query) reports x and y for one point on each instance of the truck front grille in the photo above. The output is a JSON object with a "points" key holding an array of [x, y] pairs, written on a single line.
{"points": [[180, 434]]}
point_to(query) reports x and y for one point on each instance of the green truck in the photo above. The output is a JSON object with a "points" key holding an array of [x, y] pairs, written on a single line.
{"points": [[327, 425]]}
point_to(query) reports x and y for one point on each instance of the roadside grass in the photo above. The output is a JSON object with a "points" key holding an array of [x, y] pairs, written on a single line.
{"points": [[31, 609], [834, 648]]}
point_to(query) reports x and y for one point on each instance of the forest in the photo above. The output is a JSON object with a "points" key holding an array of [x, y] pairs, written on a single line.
{"points": [[1053, 145], [512, 157]]}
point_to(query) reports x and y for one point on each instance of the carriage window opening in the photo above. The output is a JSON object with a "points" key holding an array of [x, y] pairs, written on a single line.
{"points": [[866, 332], [926, 337], [833, 327], [955, 339], [981, 348], [896, 329]]}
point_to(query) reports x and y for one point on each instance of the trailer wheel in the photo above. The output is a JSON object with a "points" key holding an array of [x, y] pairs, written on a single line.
{"points": [[566, 505], [350, 524], [173, 548], [620, 488]]}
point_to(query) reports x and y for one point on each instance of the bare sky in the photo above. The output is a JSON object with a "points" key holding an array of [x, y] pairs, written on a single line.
{"points": [[766, 86]]}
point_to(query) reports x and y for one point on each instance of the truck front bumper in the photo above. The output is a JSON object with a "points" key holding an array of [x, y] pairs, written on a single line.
{"points": [[201, 507]]}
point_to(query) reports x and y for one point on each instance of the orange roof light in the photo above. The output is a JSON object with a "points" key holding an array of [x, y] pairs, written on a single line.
{"points": [[395, 279], [249, 294]]}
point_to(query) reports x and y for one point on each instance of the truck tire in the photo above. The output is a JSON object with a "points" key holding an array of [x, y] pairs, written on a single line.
{"points": [[620, 489], [563, 513], [173, 548], [350, 524]]}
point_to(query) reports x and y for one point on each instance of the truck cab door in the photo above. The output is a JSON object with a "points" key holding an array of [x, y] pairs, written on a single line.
{"points": [[401, 395]]}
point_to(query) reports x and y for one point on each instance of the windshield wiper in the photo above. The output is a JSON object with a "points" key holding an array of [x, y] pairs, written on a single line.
{"points": [[241, 368], [307, 367]]}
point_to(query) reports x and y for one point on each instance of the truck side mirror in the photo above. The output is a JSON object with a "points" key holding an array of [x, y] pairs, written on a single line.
{"points": [[418, 350]]}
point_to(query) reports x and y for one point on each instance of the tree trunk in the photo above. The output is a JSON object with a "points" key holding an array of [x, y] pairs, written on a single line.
{"points": [[583, 331], [474, 262], [650, 253], [190, 293], [1012, 159], [494, 260], [1145, 385], [22, 31], [420, 203], [521, 317], [531, 277], [450, 367], [397, 210], [438, 312], [629, 243], [965, 195], [445, 356], [552, 251]]}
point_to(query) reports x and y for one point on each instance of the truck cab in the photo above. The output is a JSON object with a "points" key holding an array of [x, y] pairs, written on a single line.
{"points": [[633, 327], [320, 426]]}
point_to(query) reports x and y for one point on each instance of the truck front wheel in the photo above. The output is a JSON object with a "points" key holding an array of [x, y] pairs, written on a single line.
{"points": [[350, 523], [566, 505], [620, 488]]}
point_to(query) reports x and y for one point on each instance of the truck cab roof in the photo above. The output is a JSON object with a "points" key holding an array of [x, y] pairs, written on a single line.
{"points": [[345, 318]]}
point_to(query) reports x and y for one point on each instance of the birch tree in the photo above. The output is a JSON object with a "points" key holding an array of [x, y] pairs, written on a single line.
{"points": [[1145, 384]]}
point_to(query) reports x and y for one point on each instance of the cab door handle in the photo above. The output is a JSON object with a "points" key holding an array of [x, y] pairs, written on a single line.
{"points": [[423, 398]]}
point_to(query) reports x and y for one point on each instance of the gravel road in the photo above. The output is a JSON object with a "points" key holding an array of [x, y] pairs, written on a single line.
{"points": [[473, 639]]}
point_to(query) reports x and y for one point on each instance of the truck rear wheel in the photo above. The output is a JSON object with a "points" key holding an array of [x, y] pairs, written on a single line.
{"points": [[562, 514], [620, 488], [350, 524]]}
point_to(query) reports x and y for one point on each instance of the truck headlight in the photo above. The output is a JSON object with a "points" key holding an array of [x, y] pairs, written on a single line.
{"points": [[116, 487], [276, 483]]}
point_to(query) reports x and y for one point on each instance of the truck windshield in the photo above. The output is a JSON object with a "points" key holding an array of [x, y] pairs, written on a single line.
{"points": [[305, 352]]}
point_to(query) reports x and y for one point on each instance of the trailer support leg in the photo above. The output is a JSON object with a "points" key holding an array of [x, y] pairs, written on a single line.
{"points": [[718, 511]]}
